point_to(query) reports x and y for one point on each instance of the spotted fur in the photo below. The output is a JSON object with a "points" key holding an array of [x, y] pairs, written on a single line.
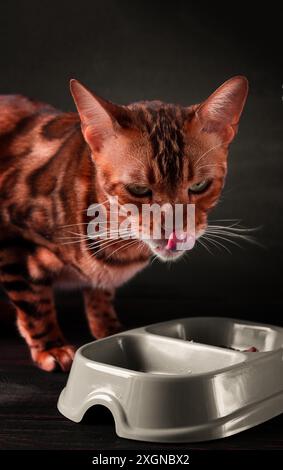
{"points": [[164, 124]]}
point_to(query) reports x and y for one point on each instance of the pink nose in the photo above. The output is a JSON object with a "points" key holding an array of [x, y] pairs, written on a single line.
{"points": [[182, 241]]}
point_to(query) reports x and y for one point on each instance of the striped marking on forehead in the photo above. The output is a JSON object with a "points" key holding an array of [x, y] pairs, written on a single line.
{"points": [[164, 124]]}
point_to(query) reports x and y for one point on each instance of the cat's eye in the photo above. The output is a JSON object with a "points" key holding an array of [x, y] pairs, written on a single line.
{"points": [[138, 190], [199, 187]]}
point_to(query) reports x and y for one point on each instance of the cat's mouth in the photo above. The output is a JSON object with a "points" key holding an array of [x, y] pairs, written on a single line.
{"points": [[173, 247], [167, 255]]}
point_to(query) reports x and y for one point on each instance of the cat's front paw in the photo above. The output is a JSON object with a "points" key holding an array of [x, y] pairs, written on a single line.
{"points": [[52, 359]]}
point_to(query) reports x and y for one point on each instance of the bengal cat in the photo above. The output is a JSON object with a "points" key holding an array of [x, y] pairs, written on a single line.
{"points": [[54, 165]]}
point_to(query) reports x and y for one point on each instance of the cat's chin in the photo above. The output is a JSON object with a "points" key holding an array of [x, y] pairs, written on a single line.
{"points": [[167, 255]]}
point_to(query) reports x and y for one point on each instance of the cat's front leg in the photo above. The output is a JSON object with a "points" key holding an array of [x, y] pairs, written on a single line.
{"points": [[100, 312], [34, 304], [37, 323]]}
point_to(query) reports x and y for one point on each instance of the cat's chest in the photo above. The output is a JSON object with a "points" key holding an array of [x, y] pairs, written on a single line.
{"points": [[96, 274]]}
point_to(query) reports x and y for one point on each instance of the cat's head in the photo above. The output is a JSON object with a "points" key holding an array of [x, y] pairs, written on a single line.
{"points": [[153, 152]]}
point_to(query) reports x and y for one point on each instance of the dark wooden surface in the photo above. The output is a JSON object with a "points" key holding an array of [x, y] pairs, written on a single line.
{"points": [[29, 418]]}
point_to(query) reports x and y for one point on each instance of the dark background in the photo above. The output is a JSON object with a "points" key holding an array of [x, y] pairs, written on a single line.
{"points": [[177, 52]]}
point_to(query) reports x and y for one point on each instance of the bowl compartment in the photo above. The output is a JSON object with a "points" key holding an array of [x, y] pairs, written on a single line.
{"points": [[157, 355], [222, 332]]}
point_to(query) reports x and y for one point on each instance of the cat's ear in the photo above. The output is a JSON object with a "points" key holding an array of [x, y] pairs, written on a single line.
{"points": [[221, 112], [99, 118]]}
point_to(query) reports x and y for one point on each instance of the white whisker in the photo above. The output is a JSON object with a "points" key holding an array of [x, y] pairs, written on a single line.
{"points": [[123, 247], [227, 239], [233, 228], [204, 245], [105, 242], [216, 243], [79, 238], [104, 248]]}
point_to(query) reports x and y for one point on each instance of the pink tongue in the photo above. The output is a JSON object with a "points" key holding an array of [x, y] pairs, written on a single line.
{"points": [[172, 242], [184, 241]]}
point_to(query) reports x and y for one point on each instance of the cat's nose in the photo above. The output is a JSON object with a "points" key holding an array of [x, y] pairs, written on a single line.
{"points": [[180, 241]]}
